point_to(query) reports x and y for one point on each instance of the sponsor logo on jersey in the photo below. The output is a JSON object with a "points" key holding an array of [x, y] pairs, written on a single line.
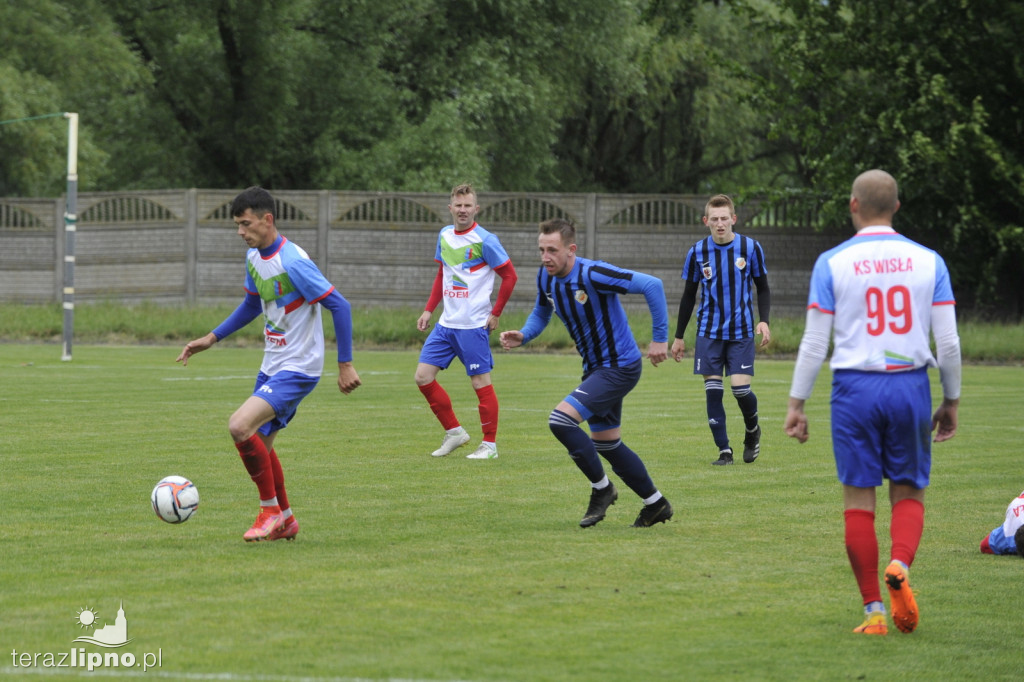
{"points": [[274, 335], [459, 289]]}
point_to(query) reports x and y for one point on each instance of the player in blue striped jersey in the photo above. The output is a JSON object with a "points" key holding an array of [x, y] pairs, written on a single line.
{"points": [[726, 267], [585, 295]]}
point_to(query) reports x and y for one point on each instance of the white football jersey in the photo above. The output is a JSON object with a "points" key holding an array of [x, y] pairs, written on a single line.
{"points": [[290, 286], [881, 287], [469, 259]]}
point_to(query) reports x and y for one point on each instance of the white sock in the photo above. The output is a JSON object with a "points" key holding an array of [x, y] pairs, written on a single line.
{"points": [[653, 498]]}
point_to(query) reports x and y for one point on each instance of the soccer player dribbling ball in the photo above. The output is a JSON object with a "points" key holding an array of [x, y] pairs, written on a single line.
{"points": [[284, 284]]}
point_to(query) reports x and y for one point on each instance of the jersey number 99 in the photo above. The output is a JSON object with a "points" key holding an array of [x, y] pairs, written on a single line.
{"points": [[890, 308]]}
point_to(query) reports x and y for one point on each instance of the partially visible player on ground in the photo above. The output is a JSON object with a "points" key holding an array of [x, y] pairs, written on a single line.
{"points": [[468, 257], [287, 287], [1009, 537], [881, 294], [726, 267], [585, 295]]}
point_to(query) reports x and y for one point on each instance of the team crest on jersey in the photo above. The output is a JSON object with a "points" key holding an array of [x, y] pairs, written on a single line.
{"points": [[741, 263], [580, 296], [707, 271]]}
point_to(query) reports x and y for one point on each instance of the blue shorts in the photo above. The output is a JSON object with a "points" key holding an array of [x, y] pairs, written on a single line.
{"points": [[881, 427], [599, 398], [711, 356], [471, 346], [284, 391]]}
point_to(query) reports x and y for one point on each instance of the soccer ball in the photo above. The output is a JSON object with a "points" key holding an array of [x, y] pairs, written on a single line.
{"points": [[175, 499]]}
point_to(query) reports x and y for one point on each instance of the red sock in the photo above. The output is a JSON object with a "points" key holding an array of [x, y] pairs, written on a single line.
{"points": [[275, 465], [862, 548], [906, 528], [257, 462], [488, 408], [441, 405]]}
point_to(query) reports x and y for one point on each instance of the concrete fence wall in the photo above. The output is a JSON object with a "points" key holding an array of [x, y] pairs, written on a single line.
{"points": [[179, 247]]}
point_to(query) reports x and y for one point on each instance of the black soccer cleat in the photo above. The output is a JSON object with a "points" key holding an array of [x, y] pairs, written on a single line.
{"points": [[724, 457], [752, 445], [600, 500], [659, 512]]}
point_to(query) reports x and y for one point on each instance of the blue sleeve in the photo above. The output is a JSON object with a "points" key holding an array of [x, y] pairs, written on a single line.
{"points": [[341, 313], [654, 291], [493, 252], [308, 279], [537, 321], [247, 311]]}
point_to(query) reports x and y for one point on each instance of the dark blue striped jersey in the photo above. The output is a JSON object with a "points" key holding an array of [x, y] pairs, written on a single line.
{"points": [[587, 301], [725, 273]]}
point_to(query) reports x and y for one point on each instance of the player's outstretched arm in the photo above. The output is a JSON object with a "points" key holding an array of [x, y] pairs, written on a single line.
{"points": [[196, 346]]}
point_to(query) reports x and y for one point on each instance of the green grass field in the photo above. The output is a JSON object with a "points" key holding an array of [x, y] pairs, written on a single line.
{"points": [[415, 568]]}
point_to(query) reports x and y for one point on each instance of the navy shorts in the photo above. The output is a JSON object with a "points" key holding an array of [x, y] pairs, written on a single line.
{"points": [[712, 356], [284, 391], [881, 427], [599, 398], [471, 346]]}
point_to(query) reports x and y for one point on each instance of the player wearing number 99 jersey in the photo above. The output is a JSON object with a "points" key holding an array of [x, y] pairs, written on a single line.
{"points": [[881, 296]]}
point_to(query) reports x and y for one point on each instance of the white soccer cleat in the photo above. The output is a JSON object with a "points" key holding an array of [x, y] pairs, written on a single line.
{"points": [[455, 439], [485, 451]]}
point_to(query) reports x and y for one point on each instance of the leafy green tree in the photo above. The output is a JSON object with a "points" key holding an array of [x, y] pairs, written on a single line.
{"points": [[928, 90], [58, 57]]}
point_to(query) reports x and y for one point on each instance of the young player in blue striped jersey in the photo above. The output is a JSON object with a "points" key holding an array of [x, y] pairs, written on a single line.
{"points": [[726, 266], [283, 283], [585, 295]]}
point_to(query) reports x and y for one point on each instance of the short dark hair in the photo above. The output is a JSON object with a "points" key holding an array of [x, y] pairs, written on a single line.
{"points": [[1018, 539], [256, 198], [562, 226]]}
